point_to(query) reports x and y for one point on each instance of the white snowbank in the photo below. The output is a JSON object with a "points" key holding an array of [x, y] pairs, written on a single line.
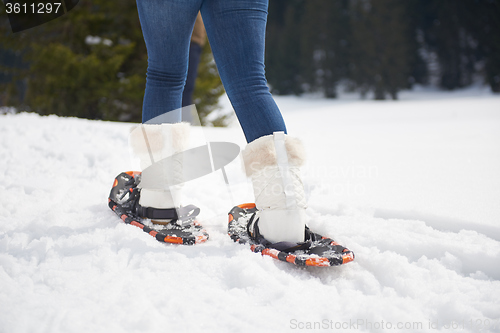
{"points": [[412, 187]]}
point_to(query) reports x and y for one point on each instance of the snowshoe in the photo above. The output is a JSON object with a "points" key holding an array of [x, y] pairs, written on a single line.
{"points": [[182, 228], [315, 251]]}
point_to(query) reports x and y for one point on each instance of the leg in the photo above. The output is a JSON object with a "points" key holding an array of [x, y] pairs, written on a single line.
{"points": [[194, 60], [167, 27], [236, 31]]}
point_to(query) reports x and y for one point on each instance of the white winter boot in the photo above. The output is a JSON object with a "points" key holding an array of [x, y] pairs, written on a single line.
{"points": [[273, 162], [160, 182]]}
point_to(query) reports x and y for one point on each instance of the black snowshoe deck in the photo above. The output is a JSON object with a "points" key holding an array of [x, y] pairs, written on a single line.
{"points": [[123, 200], [316, 251]]}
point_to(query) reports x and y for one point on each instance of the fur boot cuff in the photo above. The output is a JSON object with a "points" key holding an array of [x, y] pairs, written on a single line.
{"points": [[261, 153]]}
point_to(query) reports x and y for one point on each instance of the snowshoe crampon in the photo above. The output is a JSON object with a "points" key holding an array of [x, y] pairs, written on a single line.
{"points": [[182, 228], [315, 251]]}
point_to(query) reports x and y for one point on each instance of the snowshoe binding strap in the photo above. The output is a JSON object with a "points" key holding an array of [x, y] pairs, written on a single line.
{"points": [[183, 213], [315, 251], [256, 236], [124, 198]]}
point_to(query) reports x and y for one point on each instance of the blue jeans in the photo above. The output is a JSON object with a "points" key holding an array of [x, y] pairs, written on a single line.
{"points": [[194, 59], [236, 31]]}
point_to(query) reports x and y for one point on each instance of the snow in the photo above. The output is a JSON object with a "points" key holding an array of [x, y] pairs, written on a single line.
{"points": [[94, 40], [411, 186]]}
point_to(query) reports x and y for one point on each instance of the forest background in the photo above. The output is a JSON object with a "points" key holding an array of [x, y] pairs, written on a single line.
{"points": [[91, 63]]}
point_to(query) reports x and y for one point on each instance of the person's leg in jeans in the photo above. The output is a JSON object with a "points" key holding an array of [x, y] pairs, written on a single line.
{"points": [[194, 60], [236, 30], [198, 41], [158, 142], [167, 27], [187, 95]]}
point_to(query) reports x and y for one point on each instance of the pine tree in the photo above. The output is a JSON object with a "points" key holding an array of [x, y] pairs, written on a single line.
{"points": [[283, 55], [452, 44], [81, 64], [89, 63], [208, 88], [380, 52], [325, 42], [482, 20]]}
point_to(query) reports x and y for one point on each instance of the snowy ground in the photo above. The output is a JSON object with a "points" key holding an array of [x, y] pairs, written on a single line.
{"points": [[412, 187]]}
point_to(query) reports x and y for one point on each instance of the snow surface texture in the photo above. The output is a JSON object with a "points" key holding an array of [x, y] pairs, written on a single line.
{"points": [[412, 187]]}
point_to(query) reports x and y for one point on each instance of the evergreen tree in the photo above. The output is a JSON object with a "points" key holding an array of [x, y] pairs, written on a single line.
{"points": [[483, 23], [381, 45], [89, 63], [446, 33], [419, 71], [325, 41], [380, 52], [283, 56], [81, 64], [208, 89]]}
